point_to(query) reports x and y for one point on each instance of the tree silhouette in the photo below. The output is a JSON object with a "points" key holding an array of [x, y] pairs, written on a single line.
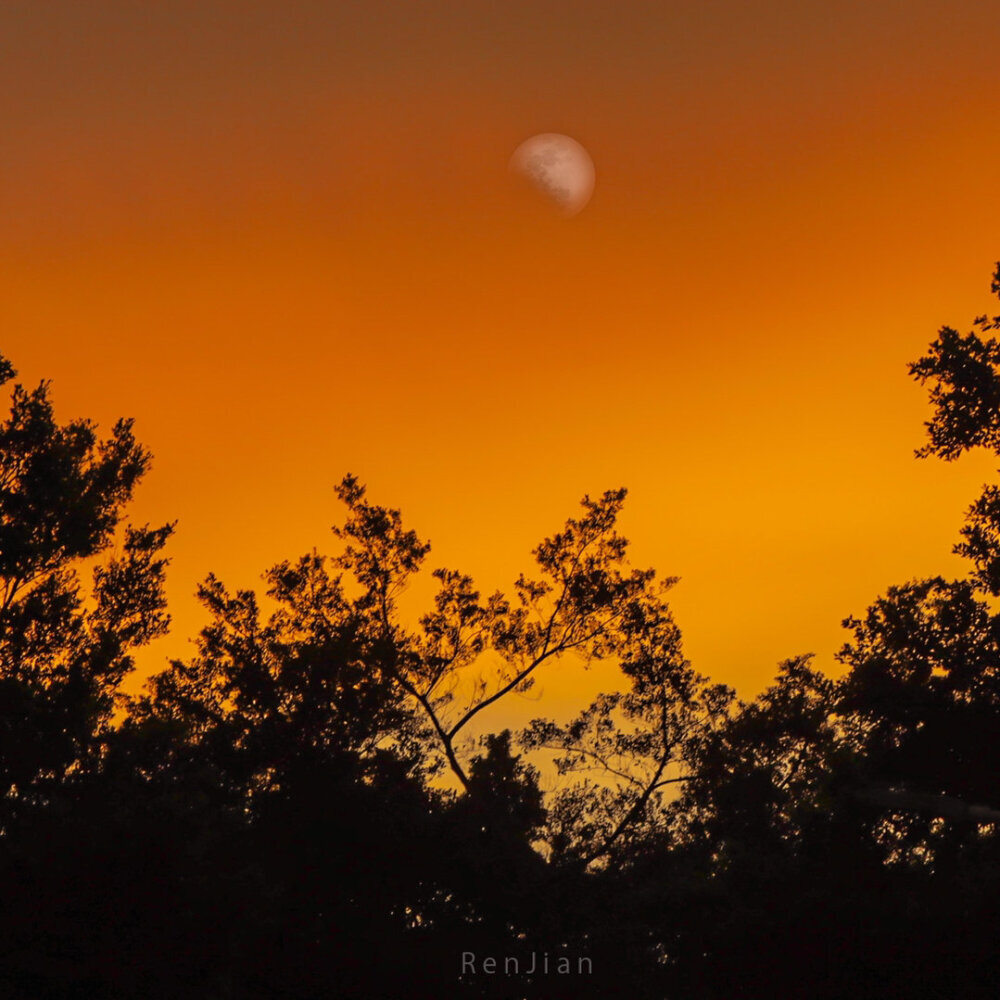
{"points": [[331, 697], [312, 804], [838, 838], [64, 652], [964, 387], [923, 687]]}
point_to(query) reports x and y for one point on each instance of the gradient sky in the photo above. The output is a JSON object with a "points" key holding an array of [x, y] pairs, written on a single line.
{"points": [[283, 237]]}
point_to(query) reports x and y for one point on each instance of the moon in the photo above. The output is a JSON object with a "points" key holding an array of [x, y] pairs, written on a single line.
{"points": [[559, 167]]}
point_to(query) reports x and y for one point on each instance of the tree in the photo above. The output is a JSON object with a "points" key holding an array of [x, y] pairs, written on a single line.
{"points": [[65, 650], [838, 838], [313, 769], [964, 387], [315, 786], [923, 687], [587, 602], [68, 859], [331, 724]]}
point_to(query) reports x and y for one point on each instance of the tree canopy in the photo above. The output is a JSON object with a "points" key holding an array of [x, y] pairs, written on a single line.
{"points": [[314, 802]]}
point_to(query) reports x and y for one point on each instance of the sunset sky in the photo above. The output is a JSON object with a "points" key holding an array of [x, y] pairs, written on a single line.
{"points": [[284, 238]]}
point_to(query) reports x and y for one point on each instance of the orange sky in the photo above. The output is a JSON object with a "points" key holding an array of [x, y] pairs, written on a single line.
{"points": [[283, 238]]}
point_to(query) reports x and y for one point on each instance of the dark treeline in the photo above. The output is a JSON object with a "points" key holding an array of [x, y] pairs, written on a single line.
{"points": [[308, 808]]}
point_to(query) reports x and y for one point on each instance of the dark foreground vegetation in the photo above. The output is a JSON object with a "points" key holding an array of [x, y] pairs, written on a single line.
{"points": [[301, 810]]}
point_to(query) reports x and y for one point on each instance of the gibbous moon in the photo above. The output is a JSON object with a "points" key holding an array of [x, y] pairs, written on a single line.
{"points": [[559, 167]]}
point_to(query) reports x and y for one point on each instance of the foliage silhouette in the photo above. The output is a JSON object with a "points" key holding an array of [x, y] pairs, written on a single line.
{"points": [[313, 804], [64, 653]]}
